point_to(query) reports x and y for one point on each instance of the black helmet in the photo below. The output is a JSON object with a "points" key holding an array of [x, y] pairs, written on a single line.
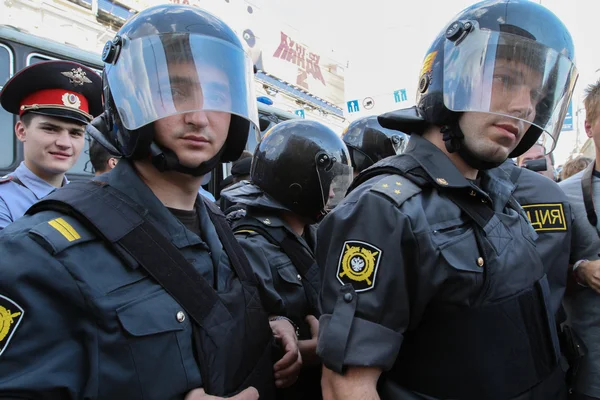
{"points": [[475, 56], [143, 82], [369, 142], [298, 163]]}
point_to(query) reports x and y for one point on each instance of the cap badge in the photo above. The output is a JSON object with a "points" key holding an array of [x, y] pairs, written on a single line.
{"points": [[71, 100], [77, 76]]}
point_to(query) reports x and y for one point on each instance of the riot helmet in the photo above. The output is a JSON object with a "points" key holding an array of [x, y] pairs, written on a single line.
{"points": [[369, 142], [490, 52], [169, 60], [300, 163]]}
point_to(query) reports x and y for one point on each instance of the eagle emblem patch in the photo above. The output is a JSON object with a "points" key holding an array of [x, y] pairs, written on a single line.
{"points": [[11, 315], [358, 265]]}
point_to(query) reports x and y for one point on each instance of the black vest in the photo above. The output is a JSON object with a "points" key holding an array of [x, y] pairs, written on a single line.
{"points": [[494, 351], [232, 336]]}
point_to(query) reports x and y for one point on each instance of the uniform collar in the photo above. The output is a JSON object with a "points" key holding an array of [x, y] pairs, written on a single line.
{"points": [[39, 187], [493, 184], [125, 179], [435, 163], [270, 220]]}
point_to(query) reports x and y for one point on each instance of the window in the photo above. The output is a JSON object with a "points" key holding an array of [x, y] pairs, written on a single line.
{"points": [[7, 122], [37, 58]]}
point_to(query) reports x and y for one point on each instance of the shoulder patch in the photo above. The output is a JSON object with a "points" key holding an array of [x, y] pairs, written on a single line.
{"points": [[61, 233], [358, 265], [11, 315], [548, 217], [397, 188]]}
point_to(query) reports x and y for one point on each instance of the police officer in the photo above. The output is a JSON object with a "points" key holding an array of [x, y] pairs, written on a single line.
{"points": [[432, 285], [101, 159], [280, 207], [369, 142], [549, 212], [54, 101], [131, 285]]}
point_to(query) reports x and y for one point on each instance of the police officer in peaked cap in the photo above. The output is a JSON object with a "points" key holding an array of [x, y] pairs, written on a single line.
{"points": [[132, 285], [432, 284], [54, 101]]}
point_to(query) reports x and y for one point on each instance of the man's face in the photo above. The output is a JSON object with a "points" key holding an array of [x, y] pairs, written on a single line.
{"points": [[592, 129], [51, 145], [515, 93], [536, 152], [196, 136]]}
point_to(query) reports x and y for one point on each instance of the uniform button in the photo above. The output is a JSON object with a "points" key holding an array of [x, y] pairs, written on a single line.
{"points": [[299, 277], [180, 316], [472, 193], [480, 262], [348, 297]]}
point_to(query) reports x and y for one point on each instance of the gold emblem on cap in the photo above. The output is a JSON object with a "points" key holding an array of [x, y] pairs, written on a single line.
{"points": [[442, 181], [71, 100], [77, 76]]}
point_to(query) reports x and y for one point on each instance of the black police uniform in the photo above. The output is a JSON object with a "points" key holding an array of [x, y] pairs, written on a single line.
{"points": [[317, 172], [549, 212], [289, 289], [105, 293], [84, 323], [451, 301], [285, 267]]}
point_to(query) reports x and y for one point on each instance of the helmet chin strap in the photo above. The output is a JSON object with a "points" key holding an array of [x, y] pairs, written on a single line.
{"points": [[165, 159], [454, 141]]}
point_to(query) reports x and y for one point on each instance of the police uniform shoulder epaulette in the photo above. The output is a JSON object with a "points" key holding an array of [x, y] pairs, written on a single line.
{"points": [[244, 230], [397, 188], [60, 233]]}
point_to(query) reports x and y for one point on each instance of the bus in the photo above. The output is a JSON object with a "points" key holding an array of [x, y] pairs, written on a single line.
{"points": [[19, 50]]}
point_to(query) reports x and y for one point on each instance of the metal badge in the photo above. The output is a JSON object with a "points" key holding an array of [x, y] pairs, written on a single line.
{"points": [[77, 76], [71, 100]]}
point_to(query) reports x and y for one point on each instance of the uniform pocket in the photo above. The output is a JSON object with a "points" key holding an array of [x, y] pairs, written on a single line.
{"points": [[289, 286], [462, 252], [289, 274], [155, 325]]}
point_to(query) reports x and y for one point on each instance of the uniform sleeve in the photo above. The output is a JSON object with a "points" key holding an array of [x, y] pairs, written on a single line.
{"points": [[43, 325], [5, 217], [584, 241], [363, 250], [256, 249]]}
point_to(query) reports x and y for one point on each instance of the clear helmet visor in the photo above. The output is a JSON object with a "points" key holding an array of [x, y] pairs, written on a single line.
{"points": [[334, 181], [510, 76], [163, 75]]}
